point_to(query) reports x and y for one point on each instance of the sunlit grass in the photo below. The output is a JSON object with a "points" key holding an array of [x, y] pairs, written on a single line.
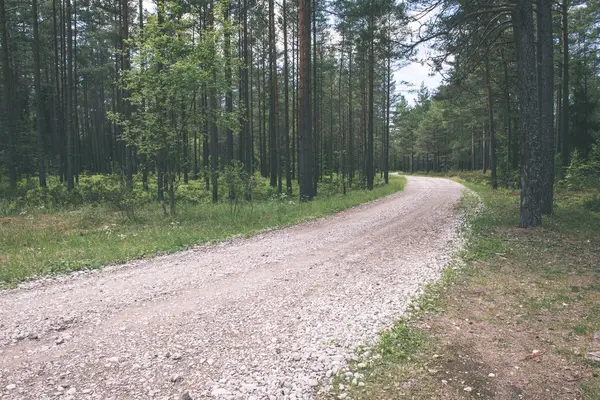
{"points": [[91, 237]]}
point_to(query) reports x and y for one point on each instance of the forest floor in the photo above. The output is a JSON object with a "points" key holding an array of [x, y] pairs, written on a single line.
{"points": [[38, 241], [514, 321], [269, 316]]}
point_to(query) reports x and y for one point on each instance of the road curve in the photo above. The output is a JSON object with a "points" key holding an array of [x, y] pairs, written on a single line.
{"points": [[269, 316]]}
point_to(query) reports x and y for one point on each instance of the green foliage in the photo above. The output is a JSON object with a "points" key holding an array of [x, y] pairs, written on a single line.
{"points": [[583, 173]]}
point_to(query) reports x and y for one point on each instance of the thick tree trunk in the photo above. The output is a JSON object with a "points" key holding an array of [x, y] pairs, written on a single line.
{"points": [[286, 88], [350, 120], [8, 119], [38, 97], [564, 119], [126, 105], [484, 152], [531, 172], [490, 101], [273, 114], [228, 92], [507, 122], [305, 146], [214, 134], [386, 143], [294, 99], [370, 129], [473, 167], [69, 91], [315, 93], [546, 102]]}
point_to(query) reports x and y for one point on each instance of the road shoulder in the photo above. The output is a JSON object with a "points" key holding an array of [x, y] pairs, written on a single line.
{"points": [[515, 321]]}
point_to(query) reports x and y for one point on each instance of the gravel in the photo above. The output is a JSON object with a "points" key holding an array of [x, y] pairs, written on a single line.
{"points": [[275, 316]]}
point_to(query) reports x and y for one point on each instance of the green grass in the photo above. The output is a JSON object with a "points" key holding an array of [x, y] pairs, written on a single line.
{"points": [[45, 243], [522, 290]]}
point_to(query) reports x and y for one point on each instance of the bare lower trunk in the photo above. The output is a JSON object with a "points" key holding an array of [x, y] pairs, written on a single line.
{"points": [[531, 172]]}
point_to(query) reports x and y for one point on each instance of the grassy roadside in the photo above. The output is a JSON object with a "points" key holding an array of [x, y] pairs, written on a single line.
{"points": [[90, 237], [514, 322]]}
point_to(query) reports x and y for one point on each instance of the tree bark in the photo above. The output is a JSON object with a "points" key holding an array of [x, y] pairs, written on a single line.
{"points": [[214, 134], [286, 88], [531, 170], [564, 115], [69, 92], [305, 157], [370, 127], [228, 90], [490, 101], [38, 96], [386, 144], [273, 114], [546, 101], [126, 105], [9, 121]]}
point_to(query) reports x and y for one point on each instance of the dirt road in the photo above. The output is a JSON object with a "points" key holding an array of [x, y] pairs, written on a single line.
{"points": [[272, 316]]}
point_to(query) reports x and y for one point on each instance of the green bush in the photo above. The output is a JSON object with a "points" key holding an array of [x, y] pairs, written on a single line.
{"points": [[583, 173]]}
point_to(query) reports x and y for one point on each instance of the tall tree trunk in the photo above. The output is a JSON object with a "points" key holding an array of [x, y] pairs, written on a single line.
{"points": [[531, 174], [341, 116], [350, 120], [490, 101], [564, 119], [370, 126], [125, 103], [7, 83], [473, 167], [205, 143], [247, 124], [250, 143], [273, 114], [315, 104], [214, 134], [38, 96], [294, 99], [286, 91], [305, 157], [228, 90], [228, 98], [546, 101], [484, 151], [69, 92], [507, 121], [386, 143]]}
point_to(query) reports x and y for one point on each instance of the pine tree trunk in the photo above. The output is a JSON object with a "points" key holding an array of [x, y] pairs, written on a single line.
{"points": [[214, 134], [286, 89], [305, 157], [273, 117], [38, 96], [315, 104], [228, 92], [69, 92], [350, 120], [8, 119], [386, 144], [531, 174], [492, 129], [370, 128], [564, 127], [125, 103], [546, 102]]}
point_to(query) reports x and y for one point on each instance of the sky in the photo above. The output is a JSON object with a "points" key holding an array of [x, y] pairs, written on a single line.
{"points": [[415, 74]]}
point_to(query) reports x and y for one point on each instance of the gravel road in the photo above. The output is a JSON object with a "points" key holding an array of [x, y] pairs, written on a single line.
{"points": [[273, 316]]}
